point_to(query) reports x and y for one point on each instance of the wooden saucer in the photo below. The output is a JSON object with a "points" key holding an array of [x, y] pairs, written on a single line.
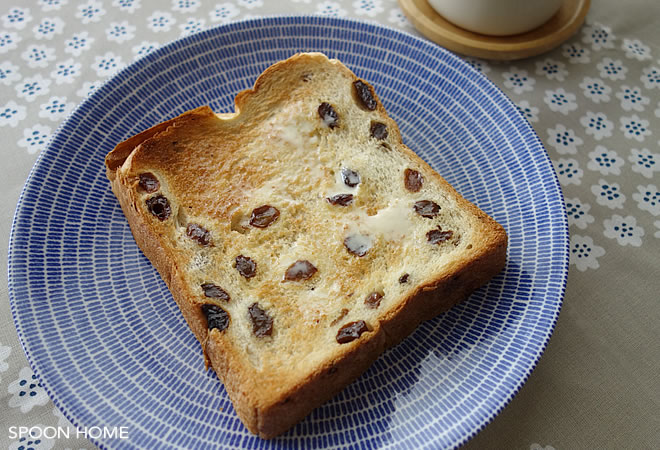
{"points": [[540, 40]]}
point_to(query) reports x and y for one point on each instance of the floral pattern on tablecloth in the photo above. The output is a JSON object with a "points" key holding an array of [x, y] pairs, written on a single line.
{"points": [[594, 101]]}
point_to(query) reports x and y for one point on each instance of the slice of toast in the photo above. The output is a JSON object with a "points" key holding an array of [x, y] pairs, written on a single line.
{"points": [[299, 236]]}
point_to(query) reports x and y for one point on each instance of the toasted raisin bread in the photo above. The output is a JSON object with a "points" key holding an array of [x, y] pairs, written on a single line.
{"points": [[299, 236]]}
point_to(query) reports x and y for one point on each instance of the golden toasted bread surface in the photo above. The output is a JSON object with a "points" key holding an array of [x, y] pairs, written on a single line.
{"points": [[299, 236]]}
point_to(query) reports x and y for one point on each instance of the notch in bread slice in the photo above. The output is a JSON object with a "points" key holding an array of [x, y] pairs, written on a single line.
{"points": [[299, 236]]}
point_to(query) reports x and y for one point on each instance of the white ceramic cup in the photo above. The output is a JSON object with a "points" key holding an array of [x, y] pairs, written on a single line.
{"points": [[497, 17]]}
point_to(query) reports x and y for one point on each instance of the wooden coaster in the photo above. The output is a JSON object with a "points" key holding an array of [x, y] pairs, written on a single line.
{"points": [[540, 40]]}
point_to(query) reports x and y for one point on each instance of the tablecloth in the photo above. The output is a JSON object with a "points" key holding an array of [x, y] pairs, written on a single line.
{"points": [[595, 103]]}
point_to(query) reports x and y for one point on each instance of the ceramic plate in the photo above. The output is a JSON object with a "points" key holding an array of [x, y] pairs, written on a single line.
{"points": [[106, 339]]}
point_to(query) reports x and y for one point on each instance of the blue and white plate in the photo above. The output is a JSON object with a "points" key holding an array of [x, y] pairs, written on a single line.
{"points": [[107, 341]]}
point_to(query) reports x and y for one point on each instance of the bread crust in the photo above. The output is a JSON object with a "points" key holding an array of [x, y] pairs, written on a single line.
{"points": [[270, 412]]}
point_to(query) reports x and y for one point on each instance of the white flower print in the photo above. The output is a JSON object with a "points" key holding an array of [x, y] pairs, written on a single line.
{"points": [[518, 80], [63, 422], [185, 6], [251, 4], [35, 138], [4, 354], [530, 112], [8, 41], [624, 229], [584, 255], [120, 32], [129, 6], [107, 64], [51, 5], [330, 9], [11, 114], [56, 109], [636, 49], [477, 64], [578, 213], [191, 26], [597, 125], [8, 73], [78, 43], [38, 56], [66, 72], [398, 18], [648, 198], [26, 391], [634, 127], [536, 446], [560, 101], [48, 28], [90, 12], [87, 88], [32, 87], [568, 171], [16, 18], [160, 21], [34, 441], [599, 36], [644, 162], [144, 48], [651, 77], [632, 99], [612, 69], [576, 53], [605, 161], [369, 8], [224, 12], [657, 225], [608, 194], [564, 140], [552, 69], [595, 90]]}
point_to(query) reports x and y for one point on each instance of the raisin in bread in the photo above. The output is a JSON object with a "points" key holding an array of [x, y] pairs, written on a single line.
{"points": [[298, 235]]}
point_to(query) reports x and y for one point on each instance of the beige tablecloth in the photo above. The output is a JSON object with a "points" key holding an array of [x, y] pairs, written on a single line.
{"points": [[595, 103]]}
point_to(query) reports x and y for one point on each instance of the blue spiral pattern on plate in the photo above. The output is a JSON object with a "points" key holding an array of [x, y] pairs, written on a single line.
{"points": [[107, 341]]}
